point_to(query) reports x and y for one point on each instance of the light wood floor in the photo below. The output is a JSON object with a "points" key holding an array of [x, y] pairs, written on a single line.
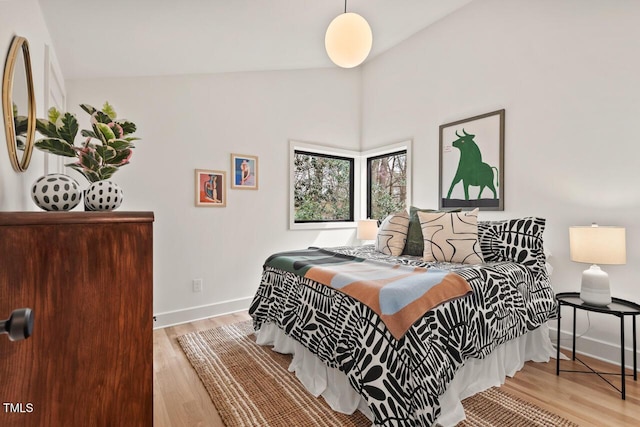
{"points": [[180, 399]]}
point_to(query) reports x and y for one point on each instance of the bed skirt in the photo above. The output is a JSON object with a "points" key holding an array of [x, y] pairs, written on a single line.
{"points": [[473, 377]]}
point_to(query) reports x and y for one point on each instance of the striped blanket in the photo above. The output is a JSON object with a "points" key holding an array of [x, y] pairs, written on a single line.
{"points": [[399, 294]]}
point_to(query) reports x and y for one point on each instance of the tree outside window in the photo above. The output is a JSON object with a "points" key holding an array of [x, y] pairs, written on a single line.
{"points": [[386, 184], [323, 187]]}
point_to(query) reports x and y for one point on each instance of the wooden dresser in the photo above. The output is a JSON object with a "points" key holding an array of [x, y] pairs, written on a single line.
{"points": [[88, 277]]}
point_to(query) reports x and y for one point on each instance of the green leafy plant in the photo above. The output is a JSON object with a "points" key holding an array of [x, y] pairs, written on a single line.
{"points": [[107, 147], [20, 124]]}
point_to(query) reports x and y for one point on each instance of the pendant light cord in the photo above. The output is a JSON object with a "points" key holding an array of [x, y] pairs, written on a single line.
{"points": [[345, 6]]}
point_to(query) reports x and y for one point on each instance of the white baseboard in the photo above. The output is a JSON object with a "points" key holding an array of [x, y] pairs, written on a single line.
{"points": [[177, 317], [597, 349]]}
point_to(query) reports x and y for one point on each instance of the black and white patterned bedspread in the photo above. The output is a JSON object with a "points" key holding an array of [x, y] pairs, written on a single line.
{"points": [[401, 380]]}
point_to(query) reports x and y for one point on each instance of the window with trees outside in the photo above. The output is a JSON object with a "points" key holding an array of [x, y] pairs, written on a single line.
{"points": [[323, 187], [333, 187], [386, 184]]}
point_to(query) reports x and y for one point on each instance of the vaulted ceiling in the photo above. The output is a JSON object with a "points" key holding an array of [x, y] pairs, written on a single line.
{"points": [[119, 38]]}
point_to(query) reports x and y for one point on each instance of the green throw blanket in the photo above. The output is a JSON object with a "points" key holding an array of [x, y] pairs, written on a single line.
{"points": [[399, 294]]}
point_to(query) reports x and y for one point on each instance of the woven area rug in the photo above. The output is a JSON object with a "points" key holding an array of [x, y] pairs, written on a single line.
{"points": [[251, 386]]}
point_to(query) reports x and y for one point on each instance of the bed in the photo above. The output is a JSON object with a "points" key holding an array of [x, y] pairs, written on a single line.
{"points": [[351, 353]]}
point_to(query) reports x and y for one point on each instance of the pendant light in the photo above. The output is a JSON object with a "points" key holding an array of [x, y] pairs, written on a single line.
{"points": [[348, 39]]}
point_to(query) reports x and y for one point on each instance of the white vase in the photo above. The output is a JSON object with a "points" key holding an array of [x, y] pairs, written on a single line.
{"points": [[56, 192], [103, 196]]}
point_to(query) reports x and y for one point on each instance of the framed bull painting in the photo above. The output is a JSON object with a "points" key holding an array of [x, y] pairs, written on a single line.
{"points": [[472, 163]]}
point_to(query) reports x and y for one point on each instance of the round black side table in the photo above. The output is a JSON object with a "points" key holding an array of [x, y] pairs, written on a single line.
{"points": [[619, 308]]}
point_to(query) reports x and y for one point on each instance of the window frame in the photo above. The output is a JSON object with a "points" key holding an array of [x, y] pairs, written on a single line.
{"points": [[379, 152], [369, 183], [359, 180], [325, 151]]}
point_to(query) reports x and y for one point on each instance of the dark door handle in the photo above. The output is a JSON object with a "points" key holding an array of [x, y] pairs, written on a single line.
{"points": [[19, 325]]}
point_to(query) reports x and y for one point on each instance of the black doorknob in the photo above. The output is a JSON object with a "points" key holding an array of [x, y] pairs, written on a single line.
{"points": [[19, 325]]}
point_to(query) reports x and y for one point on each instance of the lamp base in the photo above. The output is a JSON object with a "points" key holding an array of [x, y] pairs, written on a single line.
{"points": [[595, 287]]}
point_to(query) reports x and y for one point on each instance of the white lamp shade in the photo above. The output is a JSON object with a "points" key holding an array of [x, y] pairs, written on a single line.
{"points": [[348, 40], [598, 245], [367, 229]]}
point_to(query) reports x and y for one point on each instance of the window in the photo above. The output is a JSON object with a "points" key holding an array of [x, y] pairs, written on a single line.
{"points": [[386, 184], [332, 187], [323, 187]]}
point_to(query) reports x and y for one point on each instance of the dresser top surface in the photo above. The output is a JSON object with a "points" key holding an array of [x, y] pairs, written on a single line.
{"points": [[79, 217]]}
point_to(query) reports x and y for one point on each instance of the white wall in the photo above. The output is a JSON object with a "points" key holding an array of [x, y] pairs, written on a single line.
{"points": [[197, 121], [568, 74], [22, 18]]}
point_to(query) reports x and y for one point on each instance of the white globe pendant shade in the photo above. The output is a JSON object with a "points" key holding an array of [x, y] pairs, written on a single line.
{"points": [[348, 40]]}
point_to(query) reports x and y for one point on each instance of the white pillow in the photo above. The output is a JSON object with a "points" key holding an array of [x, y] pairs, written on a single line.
{"points": [[392, 234], [451, 237]]}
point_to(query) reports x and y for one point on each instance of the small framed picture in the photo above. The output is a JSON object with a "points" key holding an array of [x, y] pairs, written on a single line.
{"points": [[211, 188], [244, 172]]}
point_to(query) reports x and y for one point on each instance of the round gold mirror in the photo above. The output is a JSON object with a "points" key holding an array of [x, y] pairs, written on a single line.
{"points": [[18, 104]]}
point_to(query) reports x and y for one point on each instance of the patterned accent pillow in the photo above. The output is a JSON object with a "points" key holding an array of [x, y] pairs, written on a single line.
{"points": [[415, 241], [517, 240], [392, 234], [451, 237]]}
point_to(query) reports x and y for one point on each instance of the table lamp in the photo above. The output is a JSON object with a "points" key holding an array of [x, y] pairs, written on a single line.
{"points": [[597, 245], [367, 229]]}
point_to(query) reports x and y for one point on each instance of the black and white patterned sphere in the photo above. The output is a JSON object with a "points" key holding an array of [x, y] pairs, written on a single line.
{"points": [[103, 196], [55, 192]]}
